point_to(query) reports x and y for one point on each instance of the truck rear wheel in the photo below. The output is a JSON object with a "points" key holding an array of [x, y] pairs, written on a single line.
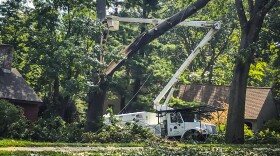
{"points": [[193, 135]]}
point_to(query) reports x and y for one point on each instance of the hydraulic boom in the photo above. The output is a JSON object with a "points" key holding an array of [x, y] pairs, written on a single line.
{"points": [[215, 27]]}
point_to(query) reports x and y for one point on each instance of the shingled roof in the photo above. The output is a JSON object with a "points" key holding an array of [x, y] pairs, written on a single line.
{"points": [[214, 95], [14, 87]]}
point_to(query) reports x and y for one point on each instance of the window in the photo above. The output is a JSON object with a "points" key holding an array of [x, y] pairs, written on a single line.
{"points": [[187, 117], [175, 117]]}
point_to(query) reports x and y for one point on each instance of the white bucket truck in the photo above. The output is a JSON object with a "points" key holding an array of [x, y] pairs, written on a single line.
{"points": [[177, 123]]}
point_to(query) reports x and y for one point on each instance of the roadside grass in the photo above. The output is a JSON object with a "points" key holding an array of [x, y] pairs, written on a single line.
{"points": [[156, 151], [55, 153], [23, 153], [182, 145], [153, 148], [23, 143]]}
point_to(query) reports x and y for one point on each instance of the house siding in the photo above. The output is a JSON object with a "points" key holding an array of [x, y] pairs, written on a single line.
{"points": [[30, 111], [268, 111]]}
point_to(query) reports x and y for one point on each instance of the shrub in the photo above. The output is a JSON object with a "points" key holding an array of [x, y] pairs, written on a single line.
{"points": [[273, 125], [265, 137], [115, 133], [50, 129], [55, 129], [20, 130], [221, 128], [11, 117], [216, 139], [74, 132], [247, 132], [220, 138]]}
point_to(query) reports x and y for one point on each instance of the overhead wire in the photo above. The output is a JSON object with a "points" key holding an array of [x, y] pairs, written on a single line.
{"points": [[136, 93]]}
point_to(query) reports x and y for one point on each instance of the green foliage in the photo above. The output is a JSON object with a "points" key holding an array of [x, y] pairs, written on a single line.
{"points": [[273, 125], [54, 129], [163, 150], [216, 139], [265, 137], [24, 153], [220, 137], [51, 129], [178, 103], [257, 73], [221, 128], [24, 143], [115, 133], [156, 150], [247, 132], [12, 120], [113, 120], [20, 130]]}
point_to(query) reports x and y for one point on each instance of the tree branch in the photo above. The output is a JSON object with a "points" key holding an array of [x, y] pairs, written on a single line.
{"points": [[221, 50], [267, 7], [241, 13], [154, 33], [251, 7]]}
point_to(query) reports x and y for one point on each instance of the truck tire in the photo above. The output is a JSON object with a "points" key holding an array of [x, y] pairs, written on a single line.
{"points": [[193, 135]]}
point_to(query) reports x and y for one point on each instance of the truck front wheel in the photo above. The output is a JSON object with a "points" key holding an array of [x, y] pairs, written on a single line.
{"points": [[193, 135]]}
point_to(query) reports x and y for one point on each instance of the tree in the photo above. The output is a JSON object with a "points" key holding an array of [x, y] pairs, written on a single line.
{"points": [[53, 44], [251, 24], [96, 97]]}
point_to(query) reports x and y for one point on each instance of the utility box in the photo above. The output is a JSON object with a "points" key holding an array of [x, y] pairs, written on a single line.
{"points": [[142, 118], [113, 23]]}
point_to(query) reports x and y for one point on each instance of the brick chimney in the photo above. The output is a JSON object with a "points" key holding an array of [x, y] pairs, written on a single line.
{"points": [[6, 57]]}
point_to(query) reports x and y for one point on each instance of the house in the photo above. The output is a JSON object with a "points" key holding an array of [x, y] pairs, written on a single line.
{"points": [[14, 88], [259, 104]]}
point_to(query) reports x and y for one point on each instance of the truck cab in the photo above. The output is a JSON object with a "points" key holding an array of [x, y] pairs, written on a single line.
{"points": [[184, 125]]}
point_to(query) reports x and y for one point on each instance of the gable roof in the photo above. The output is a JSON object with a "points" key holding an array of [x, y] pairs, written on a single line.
{"points": [[215, 95], [14, 87]]}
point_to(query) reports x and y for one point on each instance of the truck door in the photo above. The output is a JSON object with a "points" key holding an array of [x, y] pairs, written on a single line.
{"points": [[175, 126]]}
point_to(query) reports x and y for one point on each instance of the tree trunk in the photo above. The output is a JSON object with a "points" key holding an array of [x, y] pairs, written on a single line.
{"points": [[249, 36], [137, 80], [96, 105], [96, 97], [235, 119], [101, 9], [55, 98]]}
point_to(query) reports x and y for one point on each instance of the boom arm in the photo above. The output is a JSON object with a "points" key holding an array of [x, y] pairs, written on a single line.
{"points": [[215, 27], [113, 22]]}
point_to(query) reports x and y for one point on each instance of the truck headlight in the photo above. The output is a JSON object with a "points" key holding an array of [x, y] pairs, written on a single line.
{"points": [[202, 131]]}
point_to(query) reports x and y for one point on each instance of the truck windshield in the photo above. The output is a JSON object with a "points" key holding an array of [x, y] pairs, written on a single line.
{"points": [[187, 117], [175, 117]]}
